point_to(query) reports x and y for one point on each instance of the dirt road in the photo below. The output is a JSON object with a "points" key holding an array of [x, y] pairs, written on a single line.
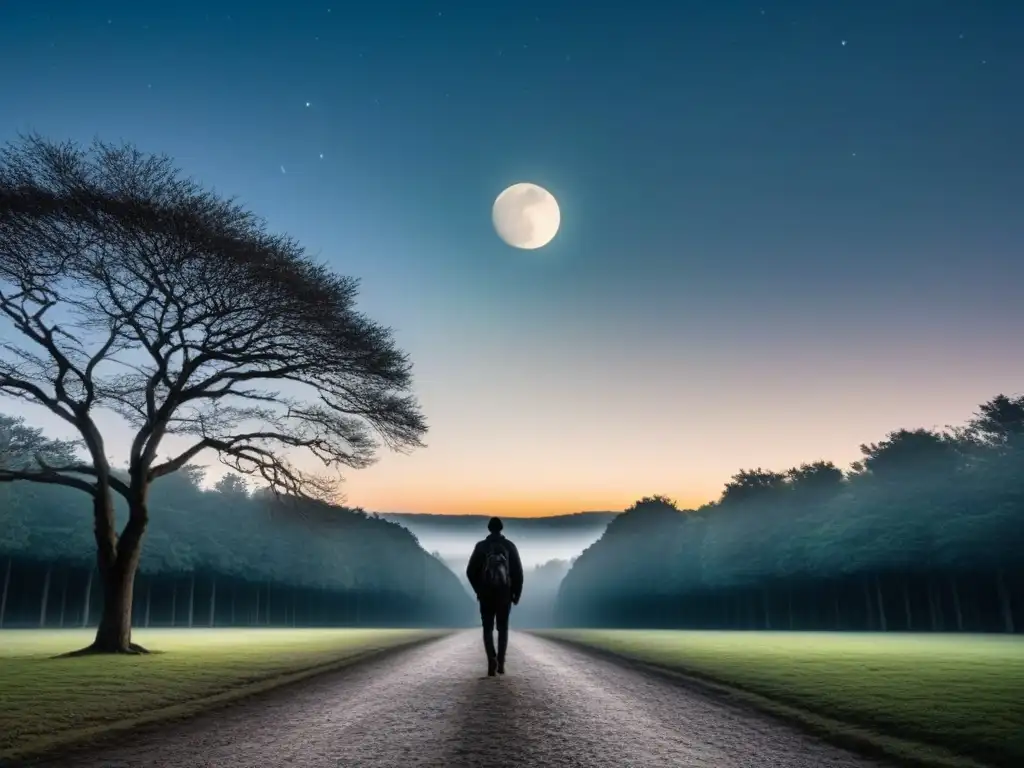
{"points": [[432, 705]]}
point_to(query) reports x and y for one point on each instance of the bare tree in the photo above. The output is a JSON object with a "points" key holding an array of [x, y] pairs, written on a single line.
{"points": [[133, 290]]}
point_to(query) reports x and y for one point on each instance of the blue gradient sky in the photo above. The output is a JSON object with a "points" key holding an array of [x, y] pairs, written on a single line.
{"points": [[775, 245]]}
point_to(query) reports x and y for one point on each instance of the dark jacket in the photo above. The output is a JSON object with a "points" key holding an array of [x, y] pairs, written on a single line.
{"points": [[515, 566]]}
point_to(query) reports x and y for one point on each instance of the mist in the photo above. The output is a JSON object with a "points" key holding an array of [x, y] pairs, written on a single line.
{"points": [[539, 540], [547, 547], [229, 556]]}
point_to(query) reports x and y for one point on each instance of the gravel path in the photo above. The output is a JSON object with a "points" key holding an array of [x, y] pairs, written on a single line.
{"points": [[432, 705]]}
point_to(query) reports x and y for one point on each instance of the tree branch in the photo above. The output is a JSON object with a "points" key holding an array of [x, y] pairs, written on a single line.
{"points": [[173, 465], [46, 477], [86, 469], [27, 390], [207, 306]]}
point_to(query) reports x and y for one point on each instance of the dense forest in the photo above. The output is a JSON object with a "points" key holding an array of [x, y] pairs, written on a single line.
{"points": [[219, 557], [924, 533]]}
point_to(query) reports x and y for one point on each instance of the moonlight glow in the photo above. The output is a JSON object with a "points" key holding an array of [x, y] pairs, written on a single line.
{"points": [[526, 216]]}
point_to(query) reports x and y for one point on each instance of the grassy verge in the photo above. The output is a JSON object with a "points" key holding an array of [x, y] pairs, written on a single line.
{"points": [[49, 703], [952, 701]]}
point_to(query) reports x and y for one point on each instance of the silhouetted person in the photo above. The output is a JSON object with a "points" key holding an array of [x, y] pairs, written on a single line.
{"points": [[496, 575]]}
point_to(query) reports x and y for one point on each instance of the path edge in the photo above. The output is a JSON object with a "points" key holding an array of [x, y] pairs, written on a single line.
{"points": [[855, 738], [92, 737]]}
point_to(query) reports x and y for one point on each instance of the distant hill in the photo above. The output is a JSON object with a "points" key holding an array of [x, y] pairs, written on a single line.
{"points": [[539, 539], [571, 522]]}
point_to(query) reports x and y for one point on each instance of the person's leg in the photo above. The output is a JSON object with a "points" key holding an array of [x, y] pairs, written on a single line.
{"points": [[501, 616], [487, 616]]}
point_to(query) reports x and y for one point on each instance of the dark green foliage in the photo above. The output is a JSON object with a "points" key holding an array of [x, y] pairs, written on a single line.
{"points": [[925, 533], [359, 569]]}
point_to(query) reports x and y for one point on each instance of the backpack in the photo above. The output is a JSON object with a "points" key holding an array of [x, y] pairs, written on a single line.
{"points": [[495, 577]]}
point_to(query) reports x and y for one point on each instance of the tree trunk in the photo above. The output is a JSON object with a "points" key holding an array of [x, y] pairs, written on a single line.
{"points": [[268, 604], [906, 606], [933, 609], [213, 599], [118, 561], [258, 591], [46, 596], [233, 590], [1005, 606], [114, 634], [7, 585], [63, 597], [174, 601], [88, 598], [881, 605], [149, 601], [868, 607], [191, 600], [956, 604]]}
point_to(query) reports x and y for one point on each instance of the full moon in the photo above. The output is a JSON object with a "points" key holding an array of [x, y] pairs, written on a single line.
{"points": [[526, 216]]}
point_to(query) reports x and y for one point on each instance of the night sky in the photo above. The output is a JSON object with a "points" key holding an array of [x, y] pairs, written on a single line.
{"points": [[787, 228]]}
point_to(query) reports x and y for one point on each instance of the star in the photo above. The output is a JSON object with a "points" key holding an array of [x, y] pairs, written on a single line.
{"points": [[321, 155], [307, 103], [843, 43], [283, 170]]}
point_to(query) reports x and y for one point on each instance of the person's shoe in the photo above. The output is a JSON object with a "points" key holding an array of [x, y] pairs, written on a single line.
{"points": [[501, 666], [492, 665]]}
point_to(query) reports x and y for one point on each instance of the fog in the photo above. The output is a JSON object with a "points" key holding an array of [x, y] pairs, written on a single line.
{"points": [[533, 550], [546, 547], [539, 540]]}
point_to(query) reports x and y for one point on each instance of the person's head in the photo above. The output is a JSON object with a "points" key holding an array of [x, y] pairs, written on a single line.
{"points": [[494, 525]]}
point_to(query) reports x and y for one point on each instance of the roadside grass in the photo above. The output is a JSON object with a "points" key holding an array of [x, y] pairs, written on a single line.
{"points": [[48, 703], [936, 700]]}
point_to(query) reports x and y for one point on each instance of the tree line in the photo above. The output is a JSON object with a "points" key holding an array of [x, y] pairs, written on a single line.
{"points": [[924, 533], [222, 557]]}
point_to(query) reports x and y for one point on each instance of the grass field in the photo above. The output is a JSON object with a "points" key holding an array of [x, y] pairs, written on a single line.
{"points": [[928, 699], [47, 702]]}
